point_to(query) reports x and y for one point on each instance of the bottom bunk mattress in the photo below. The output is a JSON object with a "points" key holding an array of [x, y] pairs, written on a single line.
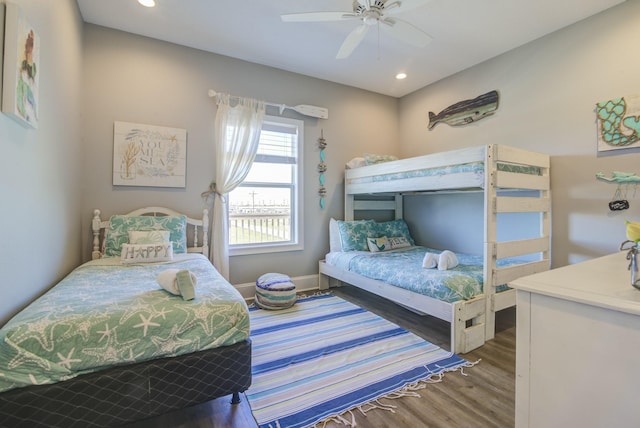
{"points": [[404, 268], [106, 314]]}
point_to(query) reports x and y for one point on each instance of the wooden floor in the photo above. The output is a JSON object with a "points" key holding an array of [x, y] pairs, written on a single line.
{"points": [[485, 397]]}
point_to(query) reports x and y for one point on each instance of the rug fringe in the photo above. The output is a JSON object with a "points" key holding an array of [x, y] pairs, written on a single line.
{"points": [[348, 419], [299, 296], [316, 293]]}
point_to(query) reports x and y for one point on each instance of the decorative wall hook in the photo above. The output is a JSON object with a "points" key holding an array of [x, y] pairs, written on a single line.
{"points": [[322, 168], [623, 180]]}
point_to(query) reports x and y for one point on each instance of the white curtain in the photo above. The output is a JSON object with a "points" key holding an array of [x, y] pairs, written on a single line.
{"points": [[237, 134]]}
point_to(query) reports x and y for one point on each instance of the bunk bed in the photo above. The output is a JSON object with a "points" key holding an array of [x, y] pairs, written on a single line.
{"points": [[499, 172], [107, 345]]}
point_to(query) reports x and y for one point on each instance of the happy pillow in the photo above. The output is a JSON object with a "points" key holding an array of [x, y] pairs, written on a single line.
{"points": [[146, 253]]}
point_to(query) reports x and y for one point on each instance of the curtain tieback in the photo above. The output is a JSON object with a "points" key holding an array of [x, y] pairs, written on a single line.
{"points": [[212, 190]]}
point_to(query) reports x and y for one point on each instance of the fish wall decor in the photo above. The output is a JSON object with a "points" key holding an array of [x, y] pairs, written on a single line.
{"points": [[618, 123], [467, 111]]}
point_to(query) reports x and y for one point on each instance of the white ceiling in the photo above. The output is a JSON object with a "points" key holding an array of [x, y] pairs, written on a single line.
{"points": [[464, 32]]}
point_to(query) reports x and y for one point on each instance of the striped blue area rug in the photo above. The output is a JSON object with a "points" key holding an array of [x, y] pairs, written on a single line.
{"points": [[324, 357]]}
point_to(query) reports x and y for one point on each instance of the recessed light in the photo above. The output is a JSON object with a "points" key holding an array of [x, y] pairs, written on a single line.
{"points": [[401, 76], [147, 3]]}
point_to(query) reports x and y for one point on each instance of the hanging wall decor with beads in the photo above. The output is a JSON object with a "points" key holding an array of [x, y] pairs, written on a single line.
{"points": [[322, 168]]}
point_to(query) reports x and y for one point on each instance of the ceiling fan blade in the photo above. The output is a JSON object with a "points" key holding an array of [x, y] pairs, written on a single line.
{"points": [[399, 6], [352, 41], [406, 32], [317, 16]]}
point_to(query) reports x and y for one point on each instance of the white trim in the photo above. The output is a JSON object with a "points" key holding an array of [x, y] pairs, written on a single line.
{"points": [[297, 210]]}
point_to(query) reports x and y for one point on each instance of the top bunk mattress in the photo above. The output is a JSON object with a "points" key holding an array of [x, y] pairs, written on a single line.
{"points": [[105, 313], [473, 170], [461, 169], [403, 268]]}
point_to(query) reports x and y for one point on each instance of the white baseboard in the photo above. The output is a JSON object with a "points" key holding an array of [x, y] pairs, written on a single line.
{"points": [[303, 283]]}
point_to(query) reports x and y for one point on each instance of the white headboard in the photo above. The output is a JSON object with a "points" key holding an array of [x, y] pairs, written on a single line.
{"points": [[197, 229]]}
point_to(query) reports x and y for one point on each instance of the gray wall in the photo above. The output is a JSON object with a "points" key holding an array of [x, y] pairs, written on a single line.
{"points": [[548, 91], [40, 170], [137, 79]]}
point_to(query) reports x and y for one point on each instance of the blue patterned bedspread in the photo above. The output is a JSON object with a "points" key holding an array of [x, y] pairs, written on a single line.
{"points": [[104, 314], [403, 268]]}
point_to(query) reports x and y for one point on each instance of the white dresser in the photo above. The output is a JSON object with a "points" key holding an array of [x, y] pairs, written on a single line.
{"points": [[578, 346]]}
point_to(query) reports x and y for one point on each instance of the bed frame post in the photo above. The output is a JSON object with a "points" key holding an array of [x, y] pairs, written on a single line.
{"points": [[399, 207], [349, 207], [490, 237], [545, 219], [95, 229], [205, 232]]}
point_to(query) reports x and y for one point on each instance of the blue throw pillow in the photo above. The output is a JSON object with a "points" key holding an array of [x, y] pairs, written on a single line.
{"points": [[394, 228], [354, 234]]}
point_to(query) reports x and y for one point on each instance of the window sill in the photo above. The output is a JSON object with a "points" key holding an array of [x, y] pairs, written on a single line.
{"points": [[264, 249]]}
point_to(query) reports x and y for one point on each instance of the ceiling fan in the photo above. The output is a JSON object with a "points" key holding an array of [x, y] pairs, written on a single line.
{"points": [[370, 13]]}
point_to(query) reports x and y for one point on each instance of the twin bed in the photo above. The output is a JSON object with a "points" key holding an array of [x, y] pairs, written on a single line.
{"points": [[512, 180], [107, 345]]}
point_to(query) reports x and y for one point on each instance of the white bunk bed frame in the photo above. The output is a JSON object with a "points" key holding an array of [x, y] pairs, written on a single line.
{"points": [[472, 321]]}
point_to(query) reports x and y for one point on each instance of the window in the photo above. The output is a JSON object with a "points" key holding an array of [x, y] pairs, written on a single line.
{"points": [[265, 211]]}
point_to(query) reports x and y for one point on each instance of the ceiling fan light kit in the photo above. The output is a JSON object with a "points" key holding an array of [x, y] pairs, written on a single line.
{"points": [[370, 13], [147, 3]]}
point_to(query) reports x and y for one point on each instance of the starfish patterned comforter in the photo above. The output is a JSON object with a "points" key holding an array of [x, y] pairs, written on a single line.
{"points": [[403, 268], [104, 314]]}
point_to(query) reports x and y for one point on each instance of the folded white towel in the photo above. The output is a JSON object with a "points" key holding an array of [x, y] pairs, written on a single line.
{"points": [[430, 261], [447, 260], [168, 279]]}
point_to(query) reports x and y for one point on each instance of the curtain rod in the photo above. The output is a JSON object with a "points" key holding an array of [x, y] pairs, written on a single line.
{"points": [[306, 110]]}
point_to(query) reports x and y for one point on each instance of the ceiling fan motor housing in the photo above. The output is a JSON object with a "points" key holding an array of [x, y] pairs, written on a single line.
{"points": [[361, 7]]}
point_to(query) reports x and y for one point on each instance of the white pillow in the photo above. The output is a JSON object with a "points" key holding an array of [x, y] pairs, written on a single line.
{"points": [[335, 243], [378, 244], [355, 163], [385, 244], [148, 236], [146, 253]]}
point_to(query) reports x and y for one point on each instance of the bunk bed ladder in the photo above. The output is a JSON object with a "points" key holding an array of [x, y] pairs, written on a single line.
{"points": [[495, 204]]}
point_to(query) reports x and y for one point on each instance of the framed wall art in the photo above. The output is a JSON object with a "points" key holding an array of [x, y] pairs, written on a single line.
{"points": [[149, 155], [20, 94], [1, 47]]}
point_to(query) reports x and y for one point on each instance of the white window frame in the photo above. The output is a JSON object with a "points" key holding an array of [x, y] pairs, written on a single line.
{"points": [[297, 228]]}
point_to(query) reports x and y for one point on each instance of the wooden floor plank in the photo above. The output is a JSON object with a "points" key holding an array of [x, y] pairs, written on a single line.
{"points": [[485, 397]]}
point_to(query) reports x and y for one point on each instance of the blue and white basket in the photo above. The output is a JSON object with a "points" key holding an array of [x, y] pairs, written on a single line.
{"points": [[275, 291]]}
